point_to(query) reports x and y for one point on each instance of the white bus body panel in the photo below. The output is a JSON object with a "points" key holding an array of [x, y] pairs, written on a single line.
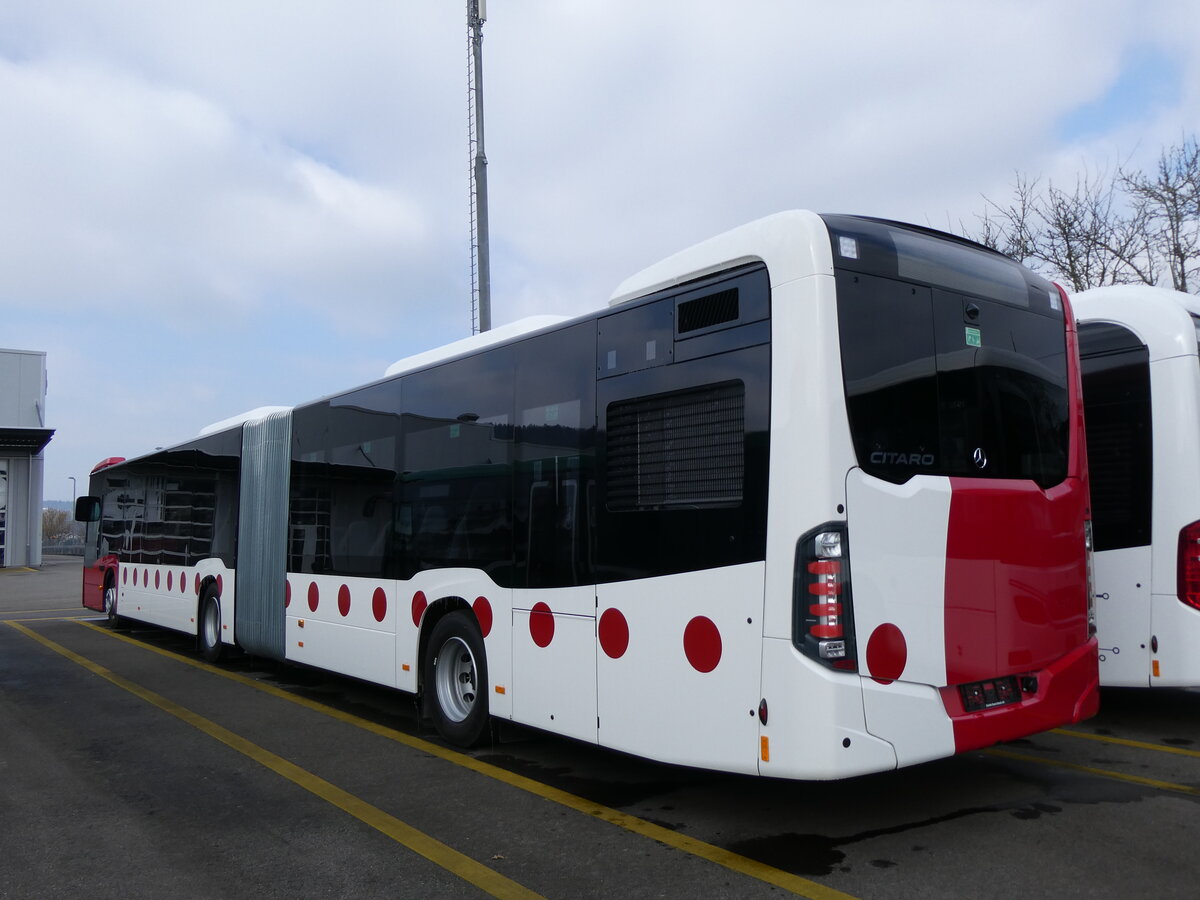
{"points": [[554, 682], [1175, 411], [824, 736], [1162, 320], [809, 432], [897, 549], [1176, 627], [325, 631], [1123, 616], [654, 700], [166, 595]]}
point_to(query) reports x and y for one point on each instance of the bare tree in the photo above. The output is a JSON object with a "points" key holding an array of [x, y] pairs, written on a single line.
{"points": [[1168, 203], [1129, 228], [1080, 235]]}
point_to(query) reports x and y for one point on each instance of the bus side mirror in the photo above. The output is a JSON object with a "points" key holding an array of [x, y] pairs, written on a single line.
{"points": [[87, 509]]}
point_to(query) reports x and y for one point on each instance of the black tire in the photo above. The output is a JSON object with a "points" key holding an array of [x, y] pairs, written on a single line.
{"points": [[208, 625], [455, 679], [110, 602]]}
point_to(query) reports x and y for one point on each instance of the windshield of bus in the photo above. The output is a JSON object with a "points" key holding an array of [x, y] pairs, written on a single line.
{"points": [[953, 357], [1196, 322]]}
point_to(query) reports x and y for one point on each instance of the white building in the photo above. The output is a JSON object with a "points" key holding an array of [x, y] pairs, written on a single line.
{"points": [[23, 437]]}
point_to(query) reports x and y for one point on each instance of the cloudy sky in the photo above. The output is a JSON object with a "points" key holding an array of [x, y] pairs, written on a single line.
{"points": [[219, 205]]}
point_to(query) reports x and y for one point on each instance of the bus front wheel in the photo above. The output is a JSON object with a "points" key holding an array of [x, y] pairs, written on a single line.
{"points": [[210, 626], [456, 679], [110, 602]]}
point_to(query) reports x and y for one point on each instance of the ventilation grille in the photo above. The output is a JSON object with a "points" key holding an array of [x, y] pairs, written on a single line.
{"points": [[705, 312], [684, 449]]}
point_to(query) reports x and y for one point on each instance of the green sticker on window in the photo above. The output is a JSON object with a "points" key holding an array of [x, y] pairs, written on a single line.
{"points": [[973, 337]]}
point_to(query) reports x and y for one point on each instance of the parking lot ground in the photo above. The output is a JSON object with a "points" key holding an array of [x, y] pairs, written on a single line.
{"points": [[135, 769]]}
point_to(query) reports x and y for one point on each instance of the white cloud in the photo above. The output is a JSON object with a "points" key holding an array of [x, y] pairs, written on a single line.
{"points": [[210, 207]]}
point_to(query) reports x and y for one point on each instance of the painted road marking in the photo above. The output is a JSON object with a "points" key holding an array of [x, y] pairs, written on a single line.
{"points": [[1091, 770], [487, 880], [1125, 742], [735, 862]]}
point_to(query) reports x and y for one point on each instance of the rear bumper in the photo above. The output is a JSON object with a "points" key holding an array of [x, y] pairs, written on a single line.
{"points": [[1068, 691]]}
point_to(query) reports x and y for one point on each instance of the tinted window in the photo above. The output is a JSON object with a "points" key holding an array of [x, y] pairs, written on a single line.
{"points": [[176, 506], [554, 479], [676, 515], [1116, 397], [456, 499], [345, 464], [943, 382]]}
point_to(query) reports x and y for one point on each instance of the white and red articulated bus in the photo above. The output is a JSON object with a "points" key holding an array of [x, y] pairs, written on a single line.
{"points": [[806, 500], [1141, 380]]}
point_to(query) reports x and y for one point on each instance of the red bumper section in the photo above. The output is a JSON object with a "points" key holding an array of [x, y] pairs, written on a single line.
{"points": [[1068, 691]]}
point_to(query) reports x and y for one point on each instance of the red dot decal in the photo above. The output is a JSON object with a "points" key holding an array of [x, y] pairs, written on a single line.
{"points": [[344, 600], [183, 582], [287, 594], [887, 653], [124, 576], [541, 624], [197, 591], [418, 607], [314, 595], [157, 581], [170, 581], [614, 633], [379, 604], [220, 585], [702, 644], [483, 612], [145, 578]]}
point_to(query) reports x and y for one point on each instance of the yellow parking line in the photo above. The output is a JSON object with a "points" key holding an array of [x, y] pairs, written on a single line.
{"points": [[435, 851], [1125, 742], [1091, 770], [17, 612], [735, 862]]}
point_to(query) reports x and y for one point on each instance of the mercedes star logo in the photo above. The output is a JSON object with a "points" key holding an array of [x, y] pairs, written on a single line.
{"points": [[980, 458]]}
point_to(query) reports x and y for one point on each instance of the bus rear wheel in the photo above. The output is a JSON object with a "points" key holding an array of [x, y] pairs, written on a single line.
{"points": [[456, 679], [210, 626]]}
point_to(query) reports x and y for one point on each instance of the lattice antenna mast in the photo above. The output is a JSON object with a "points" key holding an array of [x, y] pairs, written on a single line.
{"points": [[481, 276]]}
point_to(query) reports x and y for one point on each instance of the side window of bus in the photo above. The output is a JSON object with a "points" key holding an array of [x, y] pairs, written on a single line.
{"points": [[456, 486], [344, 472], [1116, 398], [113, 535], [130, 503], [554, 466]]}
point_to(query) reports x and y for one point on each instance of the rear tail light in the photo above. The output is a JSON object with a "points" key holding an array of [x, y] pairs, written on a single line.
{"points": [[822, 620], [1089, 547], [1189, 565]]}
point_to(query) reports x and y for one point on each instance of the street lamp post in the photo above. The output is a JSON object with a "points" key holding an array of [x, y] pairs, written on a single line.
{"points": [[72, 477]]}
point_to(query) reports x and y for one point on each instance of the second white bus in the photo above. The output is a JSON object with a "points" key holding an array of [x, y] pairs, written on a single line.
{"points": [[1141, 384]]}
